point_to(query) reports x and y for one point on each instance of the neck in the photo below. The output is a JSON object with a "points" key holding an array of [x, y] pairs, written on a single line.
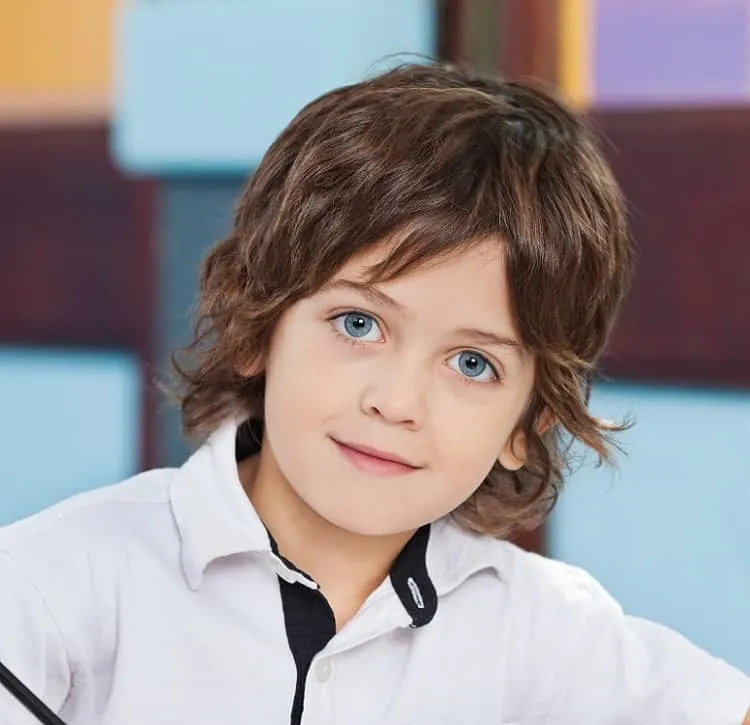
{"points": [[347, 566]]}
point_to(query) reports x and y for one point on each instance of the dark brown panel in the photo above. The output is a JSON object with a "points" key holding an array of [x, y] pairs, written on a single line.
{"points": [[450, 29], [515, 38], [686, 174], [76, 262], [528, 46], [73, 265]]}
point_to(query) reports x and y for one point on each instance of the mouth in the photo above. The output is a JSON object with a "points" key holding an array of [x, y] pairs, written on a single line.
{"points": [[373, 460]]}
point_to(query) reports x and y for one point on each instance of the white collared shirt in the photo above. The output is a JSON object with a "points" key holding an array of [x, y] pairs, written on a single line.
{"points": [[156, 601]]}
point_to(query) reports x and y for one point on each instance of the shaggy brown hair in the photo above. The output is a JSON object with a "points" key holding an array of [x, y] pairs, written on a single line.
{"points": [[443, 158]]}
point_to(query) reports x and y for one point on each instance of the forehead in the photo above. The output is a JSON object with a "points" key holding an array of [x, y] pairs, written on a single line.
{"points": [[465, 287], [488, 249]]}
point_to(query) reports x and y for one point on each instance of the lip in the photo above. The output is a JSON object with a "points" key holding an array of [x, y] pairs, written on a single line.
{"points": [[374, 460]]}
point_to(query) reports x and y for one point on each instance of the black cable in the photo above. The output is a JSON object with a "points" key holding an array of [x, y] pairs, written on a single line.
{"points": [[27, 698]]}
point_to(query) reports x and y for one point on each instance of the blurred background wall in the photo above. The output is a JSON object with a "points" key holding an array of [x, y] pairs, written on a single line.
{"points": [[126, 131]]}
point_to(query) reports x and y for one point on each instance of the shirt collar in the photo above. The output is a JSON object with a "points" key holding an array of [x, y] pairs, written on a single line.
{"points": [[213, 514], [215, 519], [455, 554]]}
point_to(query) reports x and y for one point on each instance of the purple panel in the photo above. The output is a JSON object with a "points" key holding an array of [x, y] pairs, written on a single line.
{"points": [[671, 51]]}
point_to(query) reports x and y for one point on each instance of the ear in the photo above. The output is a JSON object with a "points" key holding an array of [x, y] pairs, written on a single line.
{"points": [[514, 454], [546, 421], [251, 368]]}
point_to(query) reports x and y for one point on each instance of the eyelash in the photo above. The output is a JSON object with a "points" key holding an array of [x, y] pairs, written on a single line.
{"points": [[358, 343]]}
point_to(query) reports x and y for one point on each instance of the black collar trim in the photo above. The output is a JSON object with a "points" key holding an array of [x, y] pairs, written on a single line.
{"points": [[411, 580]]}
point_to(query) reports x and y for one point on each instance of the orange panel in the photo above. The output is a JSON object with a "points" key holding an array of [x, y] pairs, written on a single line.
{"points": [[575, 48], [55, 45]]}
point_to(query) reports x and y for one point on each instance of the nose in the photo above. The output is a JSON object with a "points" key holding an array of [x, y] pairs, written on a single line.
{"points": [[397, 394]]}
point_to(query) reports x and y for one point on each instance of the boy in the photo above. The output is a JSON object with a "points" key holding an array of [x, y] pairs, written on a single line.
{"points": [[393, 345]]}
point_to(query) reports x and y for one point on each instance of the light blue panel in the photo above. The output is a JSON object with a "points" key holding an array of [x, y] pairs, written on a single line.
{"points": [[668, 534], [207, 86], [70, 422]]}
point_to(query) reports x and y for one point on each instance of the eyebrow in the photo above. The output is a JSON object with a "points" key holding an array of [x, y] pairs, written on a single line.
{"points": [[482, 337], [490, 338], [368, 291]]}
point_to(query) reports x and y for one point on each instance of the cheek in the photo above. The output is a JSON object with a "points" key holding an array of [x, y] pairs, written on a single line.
{"points": [[304, 376], [469, 438]]}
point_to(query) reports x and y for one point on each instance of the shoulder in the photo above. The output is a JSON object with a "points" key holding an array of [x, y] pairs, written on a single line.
{"points": [[555, 607], [596, 661], [554, 584], [65, 567], [92, 532], [534, 583], [78, 513], [533, 616], [544, 601]]}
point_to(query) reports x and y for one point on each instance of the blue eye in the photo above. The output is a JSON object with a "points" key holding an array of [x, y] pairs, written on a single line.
{"points": [[473, 366], [358, 326]]}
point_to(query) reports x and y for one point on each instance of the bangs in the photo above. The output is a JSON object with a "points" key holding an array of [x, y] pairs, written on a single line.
{"points": [[423, 242]]}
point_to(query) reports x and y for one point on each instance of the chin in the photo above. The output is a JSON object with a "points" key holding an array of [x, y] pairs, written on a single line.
{"points": [[369, 523]]}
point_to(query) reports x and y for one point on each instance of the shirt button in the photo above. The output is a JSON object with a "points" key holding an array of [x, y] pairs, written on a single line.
{"points": [[323, 671]]}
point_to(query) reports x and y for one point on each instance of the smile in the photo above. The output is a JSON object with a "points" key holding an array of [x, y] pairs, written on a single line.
{"points": [[374, 461]]}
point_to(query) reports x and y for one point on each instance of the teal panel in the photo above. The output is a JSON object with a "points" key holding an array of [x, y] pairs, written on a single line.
{"points": [[71, 422], [207, 86], [193, 214], [668, 533]]}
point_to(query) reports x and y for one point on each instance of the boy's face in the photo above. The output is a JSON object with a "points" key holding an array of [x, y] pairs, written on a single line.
{"points": [[408, 370]]}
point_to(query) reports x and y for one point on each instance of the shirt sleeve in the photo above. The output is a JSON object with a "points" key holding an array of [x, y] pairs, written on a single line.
{"points": [[31, 645], [624, 670]]}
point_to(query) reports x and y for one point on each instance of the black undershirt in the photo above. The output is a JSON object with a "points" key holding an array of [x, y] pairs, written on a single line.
{"points": [[310, 624]]}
